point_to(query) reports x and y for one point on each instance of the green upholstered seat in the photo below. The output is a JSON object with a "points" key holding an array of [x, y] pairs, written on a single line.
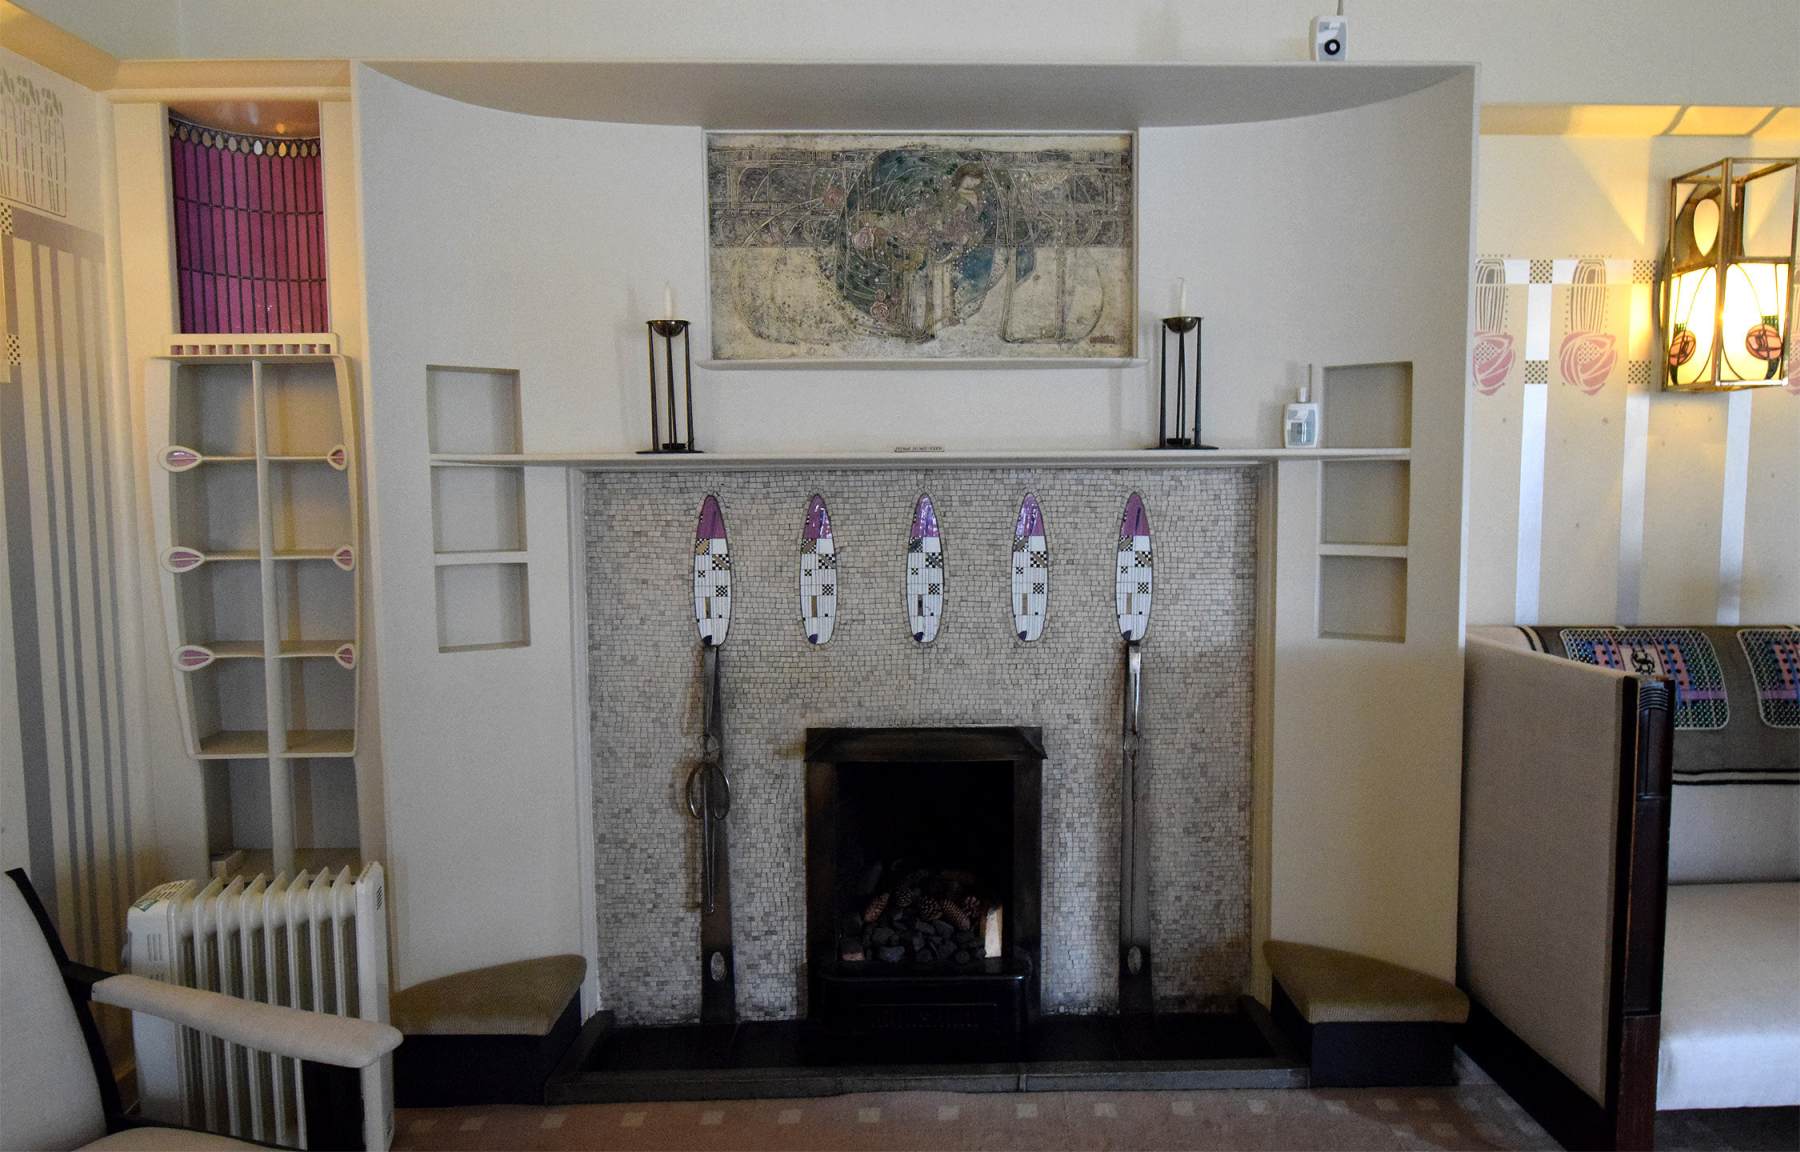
{"points": [[523, 998], [1329, 986]]}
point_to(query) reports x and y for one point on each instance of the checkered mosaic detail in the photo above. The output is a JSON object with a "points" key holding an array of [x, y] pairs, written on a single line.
{"points": [[1030, 570], [818, 573], [712, 574], [924, 573], [1774, 656], [1684, 655], [644, 690], [1132, 582]]}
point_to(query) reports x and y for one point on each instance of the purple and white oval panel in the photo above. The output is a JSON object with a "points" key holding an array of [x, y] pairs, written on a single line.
{"points": [[344, 557], [338, 458], [818, 573], [712, 574], [193, 657], [924, 573], [1030, 570], [175, 458], [1133, 578], [345, 654], [181, 558]]}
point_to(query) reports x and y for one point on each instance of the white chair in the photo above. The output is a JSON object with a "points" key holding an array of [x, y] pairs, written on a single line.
{"points": [[56, 1087]]}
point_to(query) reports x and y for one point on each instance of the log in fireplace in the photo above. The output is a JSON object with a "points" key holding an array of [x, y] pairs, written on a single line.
{"points": [[923, 881]]}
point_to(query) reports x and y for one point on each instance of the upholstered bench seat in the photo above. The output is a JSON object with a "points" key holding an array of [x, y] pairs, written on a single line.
{"points": [[1362, 1021], [487, 1036]]}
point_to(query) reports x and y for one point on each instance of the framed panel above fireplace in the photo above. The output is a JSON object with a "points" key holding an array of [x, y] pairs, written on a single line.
{"points": [[924, 879]]}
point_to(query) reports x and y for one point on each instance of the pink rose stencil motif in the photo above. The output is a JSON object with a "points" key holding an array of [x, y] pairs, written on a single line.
{"points": [[1588, 352], [1493, 354]]}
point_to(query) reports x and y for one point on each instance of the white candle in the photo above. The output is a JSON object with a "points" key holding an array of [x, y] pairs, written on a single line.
{"points": [[1181, 301], [668, 302]]}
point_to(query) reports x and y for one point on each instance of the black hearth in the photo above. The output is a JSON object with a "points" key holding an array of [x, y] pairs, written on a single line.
{"points": [[923, 877]]}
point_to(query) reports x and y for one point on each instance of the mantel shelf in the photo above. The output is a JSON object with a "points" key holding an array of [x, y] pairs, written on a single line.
{"points": [[924, 364], [1074, 458]]}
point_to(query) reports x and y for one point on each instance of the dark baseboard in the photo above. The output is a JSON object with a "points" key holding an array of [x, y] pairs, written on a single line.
{"points": [[1574, 1118]]}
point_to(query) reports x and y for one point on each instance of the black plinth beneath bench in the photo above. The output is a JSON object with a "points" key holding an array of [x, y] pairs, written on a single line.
{"points": [[796, 1058]]}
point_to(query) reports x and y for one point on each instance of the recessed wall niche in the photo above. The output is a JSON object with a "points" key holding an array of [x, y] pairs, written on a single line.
{"points": [[1367, 406], [477, 509]]}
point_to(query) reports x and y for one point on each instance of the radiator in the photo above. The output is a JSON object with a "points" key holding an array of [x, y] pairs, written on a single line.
{"points": [[317, 941]]}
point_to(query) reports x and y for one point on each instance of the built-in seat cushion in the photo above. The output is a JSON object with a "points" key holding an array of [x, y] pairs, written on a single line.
{"points": [[1731, 997], [523, 998], [1329, 986]]}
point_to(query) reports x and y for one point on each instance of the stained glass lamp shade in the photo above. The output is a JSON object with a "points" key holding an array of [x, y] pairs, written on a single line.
{"points": [[1727, 292]]}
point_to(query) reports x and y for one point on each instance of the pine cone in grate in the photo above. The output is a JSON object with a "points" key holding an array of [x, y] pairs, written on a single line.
{"points": [[958, 918], [876, 907], [972, 907], [905, 895], [931, 908]]}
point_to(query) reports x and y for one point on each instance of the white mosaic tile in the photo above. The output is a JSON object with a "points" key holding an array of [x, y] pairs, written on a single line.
{"points": [[644, 688]]}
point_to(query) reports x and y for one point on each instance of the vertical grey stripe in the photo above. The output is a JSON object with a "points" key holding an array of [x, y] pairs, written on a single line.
{"points": [[21, 575], [1735, 498], [70, 606], [96, 338], [1631, 503], [53, 544], [93, 444]]}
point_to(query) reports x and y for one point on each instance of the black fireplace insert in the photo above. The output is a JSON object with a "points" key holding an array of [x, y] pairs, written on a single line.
{"points": [[923, 879]]}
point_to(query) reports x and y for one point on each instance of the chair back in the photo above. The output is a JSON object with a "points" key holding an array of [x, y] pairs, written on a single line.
{"points": [[49, 1096]]}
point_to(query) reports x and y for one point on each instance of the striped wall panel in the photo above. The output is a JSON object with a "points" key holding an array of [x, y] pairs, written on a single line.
{"points": [[61, 585]]}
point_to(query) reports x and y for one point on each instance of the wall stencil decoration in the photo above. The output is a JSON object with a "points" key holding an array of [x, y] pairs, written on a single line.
{"points": [[712, 574], [818, 573], [1589, 350], [924, 573], [1030, 570], [1494, 350], [917, 246], [1132, 581]]}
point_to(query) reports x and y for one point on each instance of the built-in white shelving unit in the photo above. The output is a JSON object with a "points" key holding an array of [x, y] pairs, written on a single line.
{"points": [[1365, 503], [478, 508], [257, 523]]}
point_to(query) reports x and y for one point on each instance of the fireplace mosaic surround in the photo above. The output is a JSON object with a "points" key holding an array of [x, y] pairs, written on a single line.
{"points": [[644, 689]]}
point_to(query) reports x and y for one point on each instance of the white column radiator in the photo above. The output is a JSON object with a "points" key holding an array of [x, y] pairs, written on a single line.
{"points": [[317, 941]]}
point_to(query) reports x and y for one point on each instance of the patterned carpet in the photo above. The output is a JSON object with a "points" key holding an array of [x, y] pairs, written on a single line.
{"points": [[1472, 1116]]}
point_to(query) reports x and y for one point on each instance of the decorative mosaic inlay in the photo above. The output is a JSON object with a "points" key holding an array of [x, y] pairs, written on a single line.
{"points": [[818, 573], [1131, 583], [712, 574], [1774, 655], [1684, 655], [924, 573], [645, 695], [1030, 570]]}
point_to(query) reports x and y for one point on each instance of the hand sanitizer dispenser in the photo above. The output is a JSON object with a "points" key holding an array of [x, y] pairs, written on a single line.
{"points": [[1300, 426]]}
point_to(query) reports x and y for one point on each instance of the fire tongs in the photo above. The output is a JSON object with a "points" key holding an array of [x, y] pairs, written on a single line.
{"points": [[709, 801]]}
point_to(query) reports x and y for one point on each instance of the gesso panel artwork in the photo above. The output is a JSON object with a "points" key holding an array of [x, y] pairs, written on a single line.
{"points": [[914, 246]]}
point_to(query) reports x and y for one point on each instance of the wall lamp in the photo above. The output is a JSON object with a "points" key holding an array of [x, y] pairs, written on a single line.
{"points": [[1726, 300]]}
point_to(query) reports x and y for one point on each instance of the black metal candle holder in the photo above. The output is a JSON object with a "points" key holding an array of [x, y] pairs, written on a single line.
{"points": [[1180, 326], [670, 330]]}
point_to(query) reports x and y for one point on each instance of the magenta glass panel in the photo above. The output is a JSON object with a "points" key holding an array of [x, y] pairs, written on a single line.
{"points": [[249, 232]]}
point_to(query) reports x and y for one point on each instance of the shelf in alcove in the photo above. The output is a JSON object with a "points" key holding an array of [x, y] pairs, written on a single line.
{"points": [[298, 554], [228, 556], [317, 458], [234, 744], [307, 743], [1388, 551], [445, 559]]}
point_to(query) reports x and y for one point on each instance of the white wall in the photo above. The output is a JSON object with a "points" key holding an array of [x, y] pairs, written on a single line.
{"points": [[1549, 51], [1548, 197], [505, 241]]}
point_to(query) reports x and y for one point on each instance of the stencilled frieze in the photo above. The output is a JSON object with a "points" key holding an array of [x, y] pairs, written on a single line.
{"points": [[644, 686]]}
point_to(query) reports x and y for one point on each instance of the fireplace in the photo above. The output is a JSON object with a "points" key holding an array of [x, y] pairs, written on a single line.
{"points": [[923, 878]]}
